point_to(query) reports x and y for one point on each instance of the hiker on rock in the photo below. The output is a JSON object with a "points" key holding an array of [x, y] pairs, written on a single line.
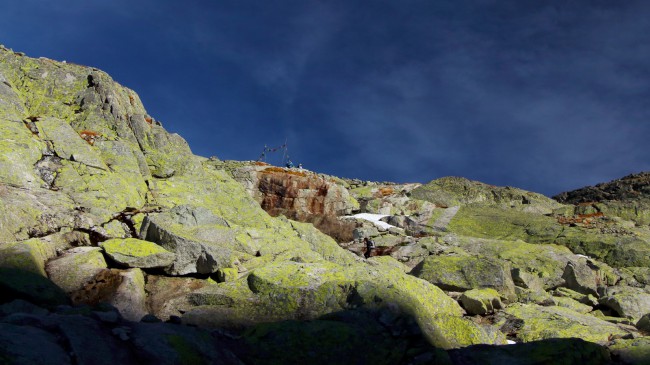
{"points": [[369, 246]]}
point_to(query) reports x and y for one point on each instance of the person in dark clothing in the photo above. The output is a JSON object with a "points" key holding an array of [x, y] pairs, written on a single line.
{"points": [[369, 246]]}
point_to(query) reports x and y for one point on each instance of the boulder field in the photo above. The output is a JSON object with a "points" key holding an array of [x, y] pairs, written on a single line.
{"points": [[120, 246]]}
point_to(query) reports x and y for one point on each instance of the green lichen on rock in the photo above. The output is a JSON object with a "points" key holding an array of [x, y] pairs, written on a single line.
{"points": [[463, 271], [451, 191], [481, 301], [27, 255], [291, 290], [572, 304], [504, 224], [76, 267], [133, 252], [546, 262], [20, 150], [559, 322], [43, 86], [323, 244], [627, 302]]}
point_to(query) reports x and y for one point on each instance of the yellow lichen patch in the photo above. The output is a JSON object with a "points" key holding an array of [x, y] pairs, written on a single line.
{"points": [[137, 253]]}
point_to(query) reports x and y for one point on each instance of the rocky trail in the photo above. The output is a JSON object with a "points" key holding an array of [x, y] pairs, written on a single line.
{"points": [[119, 245]]}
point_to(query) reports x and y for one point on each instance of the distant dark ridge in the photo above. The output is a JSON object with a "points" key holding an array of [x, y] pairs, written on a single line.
{"points": [[635, 186]]}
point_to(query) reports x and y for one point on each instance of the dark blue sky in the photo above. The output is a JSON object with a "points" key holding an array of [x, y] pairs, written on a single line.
{"points": [[544, 95]]}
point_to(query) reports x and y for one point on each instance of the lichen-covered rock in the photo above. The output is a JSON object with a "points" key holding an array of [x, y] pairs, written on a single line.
{"points": [[449, 191], [201, 241], [627, 197], [527, 280], [572, 304], [547, 262], [227, 274], [627, 302], [465, 272], [481, 301], [75, 267], [504, 224], [587, 299], [580, 277], [636, 275], [558, 322], [19, 152], [539, 297], [28, 255], [133, 252], [323, 244], [33, 213], [292, 290]]}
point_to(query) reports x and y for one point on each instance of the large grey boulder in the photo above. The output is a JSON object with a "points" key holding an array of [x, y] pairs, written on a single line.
{"points": [[481, 301]]}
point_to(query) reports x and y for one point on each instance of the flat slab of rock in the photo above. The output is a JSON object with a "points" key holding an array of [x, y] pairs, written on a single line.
{"points": [[136, 253]]}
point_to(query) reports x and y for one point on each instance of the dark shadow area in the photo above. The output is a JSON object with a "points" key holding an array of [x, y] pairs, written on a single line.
{"points": [[31, 287], [546, 352]]}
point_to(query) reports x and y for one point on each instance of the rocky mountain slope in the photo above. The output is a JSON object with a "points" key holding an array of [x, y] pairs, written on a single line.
{"points": [[118, 245]]}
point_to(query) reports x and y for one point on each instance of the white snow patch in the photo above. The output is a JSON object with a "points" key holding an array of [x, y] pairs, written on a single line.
{"points": [[511, 342], [375, 218], [587, 257]]}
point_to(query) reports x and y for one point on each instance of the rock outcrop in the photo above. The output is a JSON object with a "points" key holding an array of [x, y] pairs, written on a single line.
{"points": [[118, 245]]}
